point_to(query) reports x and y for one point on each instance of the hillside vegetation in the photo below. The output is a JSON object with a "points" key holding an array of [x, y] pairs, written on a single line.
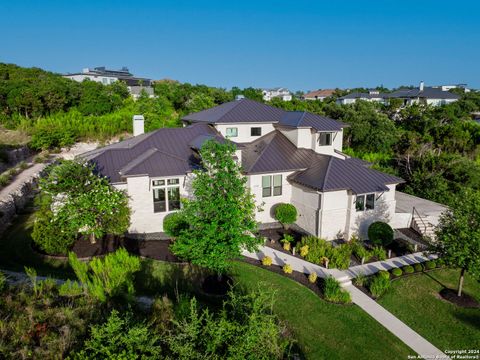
{"points": [[436, 150]]}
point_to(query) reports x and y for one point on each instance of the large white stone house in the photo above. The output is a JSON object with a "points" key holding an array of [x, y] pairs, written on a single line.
{"points": [[287, 156]]}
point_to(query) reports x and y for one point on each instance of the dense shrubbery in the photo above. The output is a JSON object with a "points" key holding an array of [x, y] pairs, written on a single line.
{"points": [[320, 251], [174, 223], [418, 267], [332, 291], [380, 233], [378, 285], [429, 265], [379, 253], [397, 272], [286, 214], [408, 269]]}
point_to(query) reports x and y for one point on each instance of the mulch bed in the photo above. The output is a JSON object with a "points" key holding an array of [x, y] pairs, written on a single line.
{"points": [[153, 249], [296, 275], [465, 301]]}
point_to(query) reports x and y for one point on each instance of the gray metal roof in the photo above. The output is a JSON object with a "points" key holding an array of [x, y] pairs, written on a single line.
{"points": [[164, 152], [237, 111], [358, 95], [306, 119], [427, 93]]}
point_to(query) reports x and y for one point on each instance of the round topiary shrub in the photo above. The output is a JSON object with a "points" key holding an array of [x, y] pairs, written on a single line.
{"points": [[174, 223], [397, 272], [286, 214], [429, 265], [418, 267], [380, 233], [385, 274], [408, 269]]}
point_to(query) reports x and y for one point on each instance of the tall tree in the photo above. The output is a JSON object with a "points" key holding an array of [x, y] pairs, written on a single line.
{"points": [[458, 236], [221, 214]]}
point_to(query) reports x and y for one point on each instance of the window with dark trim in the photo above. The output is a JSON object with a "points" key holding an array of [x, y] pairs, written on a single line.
{"points": [[365, 202], [271, 185], [166, 195], [325, 139], [256, 131]]}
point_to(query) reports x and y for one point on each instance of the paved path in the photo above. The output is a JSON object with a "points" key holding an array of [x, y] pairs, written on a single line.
{"points": [[22, 177], [395, 326], [370, 306]]}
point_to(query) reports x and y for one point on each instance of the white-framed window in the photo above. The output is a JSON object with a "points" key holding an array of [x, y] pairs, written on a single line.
{"points": [[365, 202], [166, 195], [231, 132], [325, 139], [271, 185]]}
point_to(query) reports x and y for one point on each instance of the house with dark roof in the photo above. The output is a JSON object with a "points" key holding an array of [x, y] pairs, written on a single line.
{"points": [[287, 156], [433, 96]]}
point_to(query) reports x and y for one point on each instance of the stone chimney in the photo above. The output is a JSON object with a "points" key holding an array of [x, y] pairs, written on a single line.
{"points": [[138, 125], [422, 85]]}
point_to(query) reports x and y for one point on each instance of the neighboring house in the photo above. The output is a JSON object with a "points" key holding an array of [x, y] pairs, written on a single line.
{"points": [[434, 96], [282, 93], [372, 95], [287, 156], [318, 94], [450, 87], [106, 76]]}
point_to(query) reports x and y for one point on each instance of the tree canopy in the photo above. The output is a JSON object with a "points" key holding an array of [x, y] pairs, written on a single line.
{"points": [[221, 214]]}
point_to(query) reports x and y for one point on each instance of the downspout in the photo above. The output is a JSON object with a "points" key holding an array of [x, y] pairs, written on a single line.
{"points": [[319, 215]]}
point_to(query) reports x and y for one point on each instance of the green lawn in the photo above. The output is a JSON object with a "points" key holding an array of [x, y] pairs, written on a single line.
{"points": [[323, 330], [415, 301]]}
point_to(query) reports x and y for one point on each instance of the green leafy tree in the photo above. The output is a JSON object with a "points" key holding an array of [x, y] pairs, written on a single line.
{"points": [[120, 338], [458, 236], [75, 200], [221, 214]]}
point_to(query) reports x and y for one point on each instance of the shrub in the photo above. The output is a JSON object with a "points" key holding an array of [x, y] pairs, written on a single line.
{"points": [[408, 269], [46, 236], [332, 291], [384, 273], [429, 265], [313, 277], [379, 285], [107, 277], [340, 257], [174, 223], [359, 251], [70, 289], [23, 165], [304, 250], [317, 249], [267, 261], [379, 253], [287, 246], [440, 262], [287, 238], [4, 180], [286, 214], [360, 280], [287, 269], [380, 233], [418, 267], [397, 272], [3, 281]]}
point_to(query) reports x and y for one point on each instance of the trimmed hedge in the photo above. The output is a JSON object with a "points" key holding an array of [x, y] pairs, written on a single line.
{"points": [[380, 233], [384, 273], [286, 213], [429, 265], [418, 267], [408, 269]]}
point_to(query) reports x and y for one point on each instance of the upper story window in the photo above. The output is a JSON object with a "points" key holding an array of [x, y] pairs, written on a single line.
{"points": [[231, 132], [256, 131], [325, 139], [365, 202], [271, 184], [166, 195]]}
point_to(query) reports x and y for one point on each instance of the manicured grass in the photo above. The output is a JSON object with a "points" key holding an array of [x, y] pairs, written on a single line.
{"points": [[415, 301], [323, 330]]}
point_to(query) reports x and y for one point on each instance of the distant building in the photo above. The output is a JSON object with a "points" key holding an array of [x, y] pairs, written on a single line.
{"points": [[372, 95], [318, 94], [450, 87], [106, 76], [434, 96], [282, 93]]}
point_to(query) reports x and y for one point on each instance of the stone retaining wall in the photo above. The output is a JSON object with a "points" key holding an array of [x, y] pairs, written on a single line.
{"points": [[15, 156], [13, 203]]}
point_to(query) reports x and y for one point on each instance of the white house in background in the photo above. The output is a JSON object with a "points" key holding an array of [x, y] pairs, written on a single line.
{"points": [[434, 96], [135, 85], [287, 156], [450, 87], [282, 93]]}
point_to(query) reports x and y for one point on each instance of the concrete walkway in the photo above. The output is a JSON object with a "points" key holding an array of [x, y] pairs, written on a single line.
{"points": [[416, 342], [370, 306]]}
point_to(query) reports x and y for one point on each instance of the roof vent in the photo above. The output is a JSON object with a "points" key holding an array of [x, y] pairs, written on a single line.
{"points": [[239, 97]]}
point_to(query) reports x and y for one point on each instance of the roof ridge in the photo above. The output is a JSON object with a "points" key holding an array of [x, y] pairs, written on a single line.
{"points": [[327, 171], [171, 155], [274, 133], [134, 162]]}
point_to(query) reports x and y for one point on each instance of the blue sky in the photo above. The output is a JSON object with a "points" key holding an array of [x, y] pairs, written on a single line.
{"points": [[298, 44]]}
